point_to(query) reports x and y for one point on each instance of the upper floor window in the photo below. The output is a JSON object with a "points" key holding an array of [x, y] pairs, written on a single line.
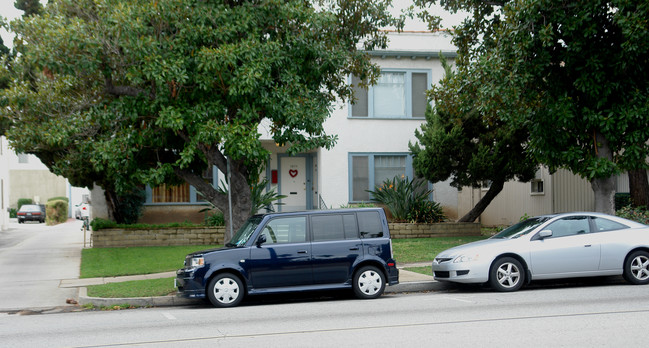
{"points": [[396, 94]]}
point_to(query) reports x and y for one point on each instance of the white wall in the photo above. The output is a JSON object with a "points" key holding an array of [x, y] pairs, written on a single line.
{"points": [[4, 184]]}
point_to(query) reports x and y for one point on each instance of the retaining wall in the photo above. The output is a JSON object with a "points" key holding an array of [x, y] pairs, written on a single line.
{"points": [[443, 229], [115, 237], [215, 235]]}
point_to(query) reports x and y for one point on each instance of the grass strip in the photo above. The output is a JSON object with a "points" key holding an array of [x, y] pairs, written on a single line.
{"points": [[425, 249], [422, 270], [113, 262], [134, 288]]}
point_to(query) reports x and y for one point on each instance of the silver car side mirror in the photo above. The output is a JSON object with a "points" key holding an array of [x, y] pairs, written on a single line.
{"points": [[545, 234]]}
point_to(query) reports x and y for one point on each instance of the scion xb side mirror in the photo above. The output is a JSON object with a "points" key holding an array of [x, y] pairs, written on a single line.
{"points": [[261, 240]]}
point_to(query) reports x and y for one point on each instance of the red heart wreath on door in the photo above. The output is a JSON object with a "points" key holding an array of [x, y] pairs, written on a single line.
{"points": [[292, 173]]}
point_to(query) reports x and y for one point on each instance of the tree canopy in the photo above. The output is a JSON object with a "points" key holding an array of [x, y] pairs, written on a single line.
{"points": [[155, 92], [464, 142], [576, 75]]}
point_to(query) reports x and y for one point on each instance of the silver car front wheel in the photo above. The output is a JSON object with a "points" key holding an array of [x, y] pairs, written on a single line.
{"points": [[636, 268], [506, 274]]}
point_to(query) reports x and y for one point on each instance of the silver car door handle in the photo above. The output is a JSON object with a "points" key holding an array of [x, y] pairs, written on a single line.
{"points": [[301, 251], [353, 248], [587, 245]]}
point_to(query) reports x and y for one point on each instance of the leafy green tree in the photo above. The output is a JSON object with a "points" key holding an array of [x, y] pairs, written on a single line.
{"points": [[31, 7], [468, 144], [158, 91], [580, 69], [587, 65]]}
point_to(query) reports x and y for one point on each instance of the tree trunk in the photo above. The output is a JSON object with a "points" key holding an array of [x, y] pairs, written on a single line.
{"points": [[241, 199], [604, 188], [639, 188], [483, 203], [111, 203]]}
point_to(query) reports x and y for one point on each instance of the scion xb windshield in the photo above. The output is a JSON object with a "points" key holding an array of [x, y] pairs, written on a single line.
{"points": [[522, 228], [245, 232]]}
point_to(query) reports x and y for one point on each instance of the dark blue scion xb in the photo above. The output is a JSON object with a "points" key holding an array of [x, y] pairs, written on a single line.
{"points": [[297, 251]]}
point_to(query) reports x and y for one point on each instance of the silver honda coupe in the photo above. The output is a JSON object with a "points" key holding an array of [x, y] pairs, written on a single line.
{"points": [[550, 247]]}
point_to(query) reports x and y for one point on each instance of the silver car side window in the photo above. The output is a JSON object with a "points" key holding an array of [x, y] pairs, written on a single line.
{"points": [[569, 226]]}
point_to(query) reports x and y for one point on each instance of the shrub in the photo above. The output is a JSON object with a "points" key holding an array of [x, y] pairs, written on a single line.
{"points": [[13, 213], [99, 223], [622, 200], [407, 200], [59, 199], [23, 201], [639, 214], [129, 205], [56, 212], [425, 211], [215, 219], [358, 205]]}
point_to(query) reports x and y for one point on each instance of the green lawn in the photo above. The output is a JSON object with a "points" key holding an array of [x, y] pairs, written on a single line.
{"points": [[136, 288], [425, 249], [111, 262]]}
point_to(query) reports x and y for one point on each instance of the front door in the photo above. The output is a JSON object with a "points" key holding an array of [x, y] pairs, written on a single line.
{"points": [[571, 249], [284, 260], [293, 183]]}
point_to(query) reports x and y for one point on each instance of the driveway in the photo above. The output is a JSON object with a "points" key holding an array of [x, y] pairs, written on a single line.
{"points": [[34, 258]]}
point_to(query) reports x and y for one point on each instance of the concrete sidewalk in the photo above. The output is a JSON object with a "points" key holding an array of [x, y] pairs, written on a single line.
{"points": [[408, 282]]}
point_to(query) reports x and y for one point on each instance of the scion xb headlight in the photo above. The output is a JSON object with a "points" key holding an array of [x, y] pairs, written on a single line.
{"points": [[466, 258], [196, 262]]}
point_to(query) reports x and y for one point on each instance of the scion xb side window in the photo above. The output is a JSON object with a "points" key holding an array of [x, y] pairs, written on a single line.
{"points": [[333, 227], [285, 230], [369, 224]]}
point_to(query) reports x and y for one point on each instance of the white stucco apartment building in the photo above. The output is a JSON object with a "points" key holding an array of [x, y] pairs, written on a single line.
{"points": [[4, 184]]}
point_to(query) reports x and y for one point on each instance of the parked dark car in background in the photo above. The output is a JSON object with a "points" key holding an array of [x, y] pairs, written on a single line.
{"points": [[568, 245], [31, 212], [299, 251]]}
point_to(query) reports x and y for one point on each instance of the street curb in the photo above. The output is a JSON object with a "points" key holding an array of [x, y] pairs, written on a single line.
{"points": [[173, 300], [155, 301]]}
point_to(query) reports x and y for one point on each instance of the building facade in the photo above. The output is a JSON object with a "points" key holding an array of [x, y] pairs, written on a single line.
{"points": [[4, 184]]}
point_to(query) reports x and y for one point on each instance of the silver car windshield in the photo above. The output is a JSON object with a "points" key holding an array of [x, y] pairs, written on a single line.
{"points": [[522, 228], [243, 234]]}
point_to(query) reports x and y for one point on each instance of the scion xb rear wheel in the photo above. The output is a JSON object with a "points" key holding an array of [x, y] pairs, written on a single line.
{"points": [[636, 268], [506, 274], [369, 282], [225, 290]]}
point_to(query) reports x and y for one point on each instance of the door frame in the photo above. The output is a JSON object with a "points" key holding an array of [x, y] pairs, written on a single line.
{"points": [[308, 163]]}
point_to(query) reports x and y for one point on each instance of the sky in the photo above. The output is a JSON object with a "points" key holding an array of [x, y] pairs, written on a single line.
{"points": [[9, 12]]}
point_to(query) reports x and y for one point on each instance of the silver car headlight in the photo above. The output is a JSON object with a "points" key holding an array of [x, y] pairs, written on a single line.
{"points": [[466, 258]]}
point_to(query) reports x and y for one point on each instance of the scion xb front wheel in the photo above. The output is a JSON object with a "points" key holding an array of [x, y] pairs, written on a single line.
{"points": [[225, 290]]}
